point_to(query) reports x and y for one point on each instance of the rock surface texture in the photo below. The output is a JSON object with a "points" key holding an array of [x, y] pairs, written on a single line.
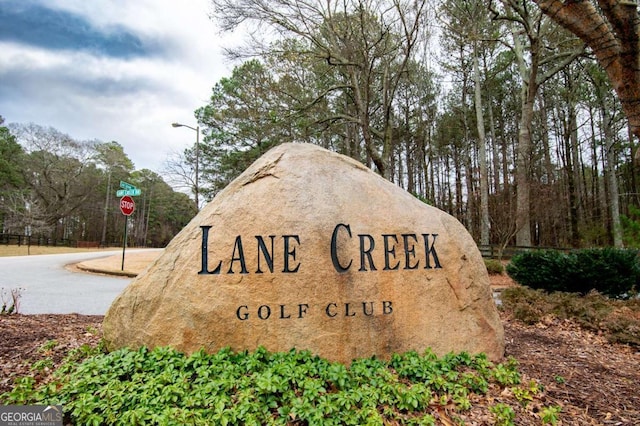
{"points": [[309, 249]]}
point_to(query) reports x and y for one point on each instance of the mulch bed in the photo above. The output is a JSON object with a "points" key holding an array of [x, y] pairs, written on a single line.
{"points": [[595, 382], [23, 338]]}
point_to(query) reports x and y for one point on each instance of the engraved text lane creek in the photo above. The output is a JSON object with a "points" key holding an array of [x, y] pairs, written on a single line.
{"points": [[282, 254]]}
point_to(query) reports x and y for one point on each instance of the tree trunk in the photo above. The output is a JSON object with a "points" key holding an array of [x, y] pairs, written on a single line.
{"points": [[523, 187], [471, 194], [523, 150], [577, 166], [103, 240], [634, 170], [571, 183], [612, 180], [494, 151], [482, 153], [457, 165], [598, 205], [546, 147]]}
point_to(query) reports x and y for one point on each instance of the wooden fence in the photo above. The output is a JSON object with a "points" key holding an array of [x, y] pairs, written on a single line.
{"points": [[31, 240], [498, 252]]}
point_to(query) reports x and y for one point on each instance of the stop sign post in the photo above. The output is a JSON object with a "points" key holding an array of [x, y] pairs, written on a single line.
{"points": [[127, 206]]}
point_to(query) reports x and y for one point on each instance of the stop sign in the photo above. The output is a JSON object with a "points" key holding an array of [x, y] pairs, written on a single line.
{"points": [[127, 206]]}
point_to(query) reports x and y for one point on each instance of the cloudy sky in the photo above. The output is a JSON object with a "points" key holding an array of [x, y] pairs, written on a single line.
{"points": [[111, 70]]}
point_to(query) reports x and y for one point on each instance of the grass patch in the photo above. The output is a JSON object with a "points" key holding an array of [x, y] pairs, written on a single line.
{"points": [[24, 250]]}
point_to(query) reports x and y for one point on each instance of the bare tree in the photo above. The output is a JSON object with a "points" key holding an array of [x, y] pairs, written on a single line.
{"points": [[368, 42], [471, 26], [58, 169], [179, 169], [25, 215], [543, 58]]}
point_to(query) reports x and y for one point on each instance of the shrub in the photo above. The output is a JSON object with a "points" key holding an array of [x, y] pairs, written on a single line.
{"points": [[610, 271], [631, 227], [540, 269], [494, 267], [623, 326], [527, 305], [618, 320]]}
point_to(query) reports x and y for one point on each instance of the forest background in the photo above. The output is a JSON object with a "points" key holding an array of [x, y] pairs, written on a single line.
{"points": [[488, 110]]}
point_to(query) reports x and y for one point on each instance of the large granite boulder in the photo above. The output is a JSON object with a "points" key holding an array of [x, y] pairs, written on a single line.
{"points": [[310, 249]]}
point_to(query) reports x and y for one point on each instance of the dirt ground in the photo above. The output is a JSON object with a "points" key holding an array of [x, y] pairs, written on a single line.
{"points": [[595, 382]]}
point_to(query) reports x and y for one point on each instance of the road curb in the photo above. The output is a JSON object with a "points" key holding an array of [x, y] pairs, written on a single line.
{"points": [[92, 270]]}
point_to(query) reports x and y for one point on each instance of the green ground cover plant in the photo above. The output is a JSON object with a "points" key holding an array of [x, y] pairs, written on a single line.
{"points": [[163, 386]]}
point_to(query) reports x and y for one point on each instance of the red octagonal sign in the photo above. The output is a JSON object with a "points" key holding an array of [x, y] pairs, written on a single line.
{"points": [[127, 206]]}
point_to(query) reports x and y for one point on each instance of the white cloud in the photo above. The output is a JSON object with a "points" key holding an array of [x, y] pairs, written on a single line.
{"points": [[132, 101]]}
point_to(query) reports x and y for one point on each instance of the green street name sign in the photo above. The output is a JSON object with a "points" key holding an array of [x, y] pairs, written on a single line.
{"points": [[126, 185], [132, 192]]}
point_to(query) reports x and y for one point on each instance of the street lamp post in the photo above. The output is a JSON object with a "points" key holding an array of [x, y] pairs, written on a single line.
{"points": [[197, 130]]}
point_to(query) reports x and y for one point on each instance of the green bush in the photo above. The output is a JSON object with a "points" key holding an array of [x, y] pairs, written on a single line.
{"points": [[540, 269], [631, 227], [610, 271]]}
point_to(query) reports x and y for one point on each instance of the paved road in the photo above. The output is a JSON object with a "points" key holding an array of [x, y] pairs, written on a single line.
{"points": [[48, 288]]}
